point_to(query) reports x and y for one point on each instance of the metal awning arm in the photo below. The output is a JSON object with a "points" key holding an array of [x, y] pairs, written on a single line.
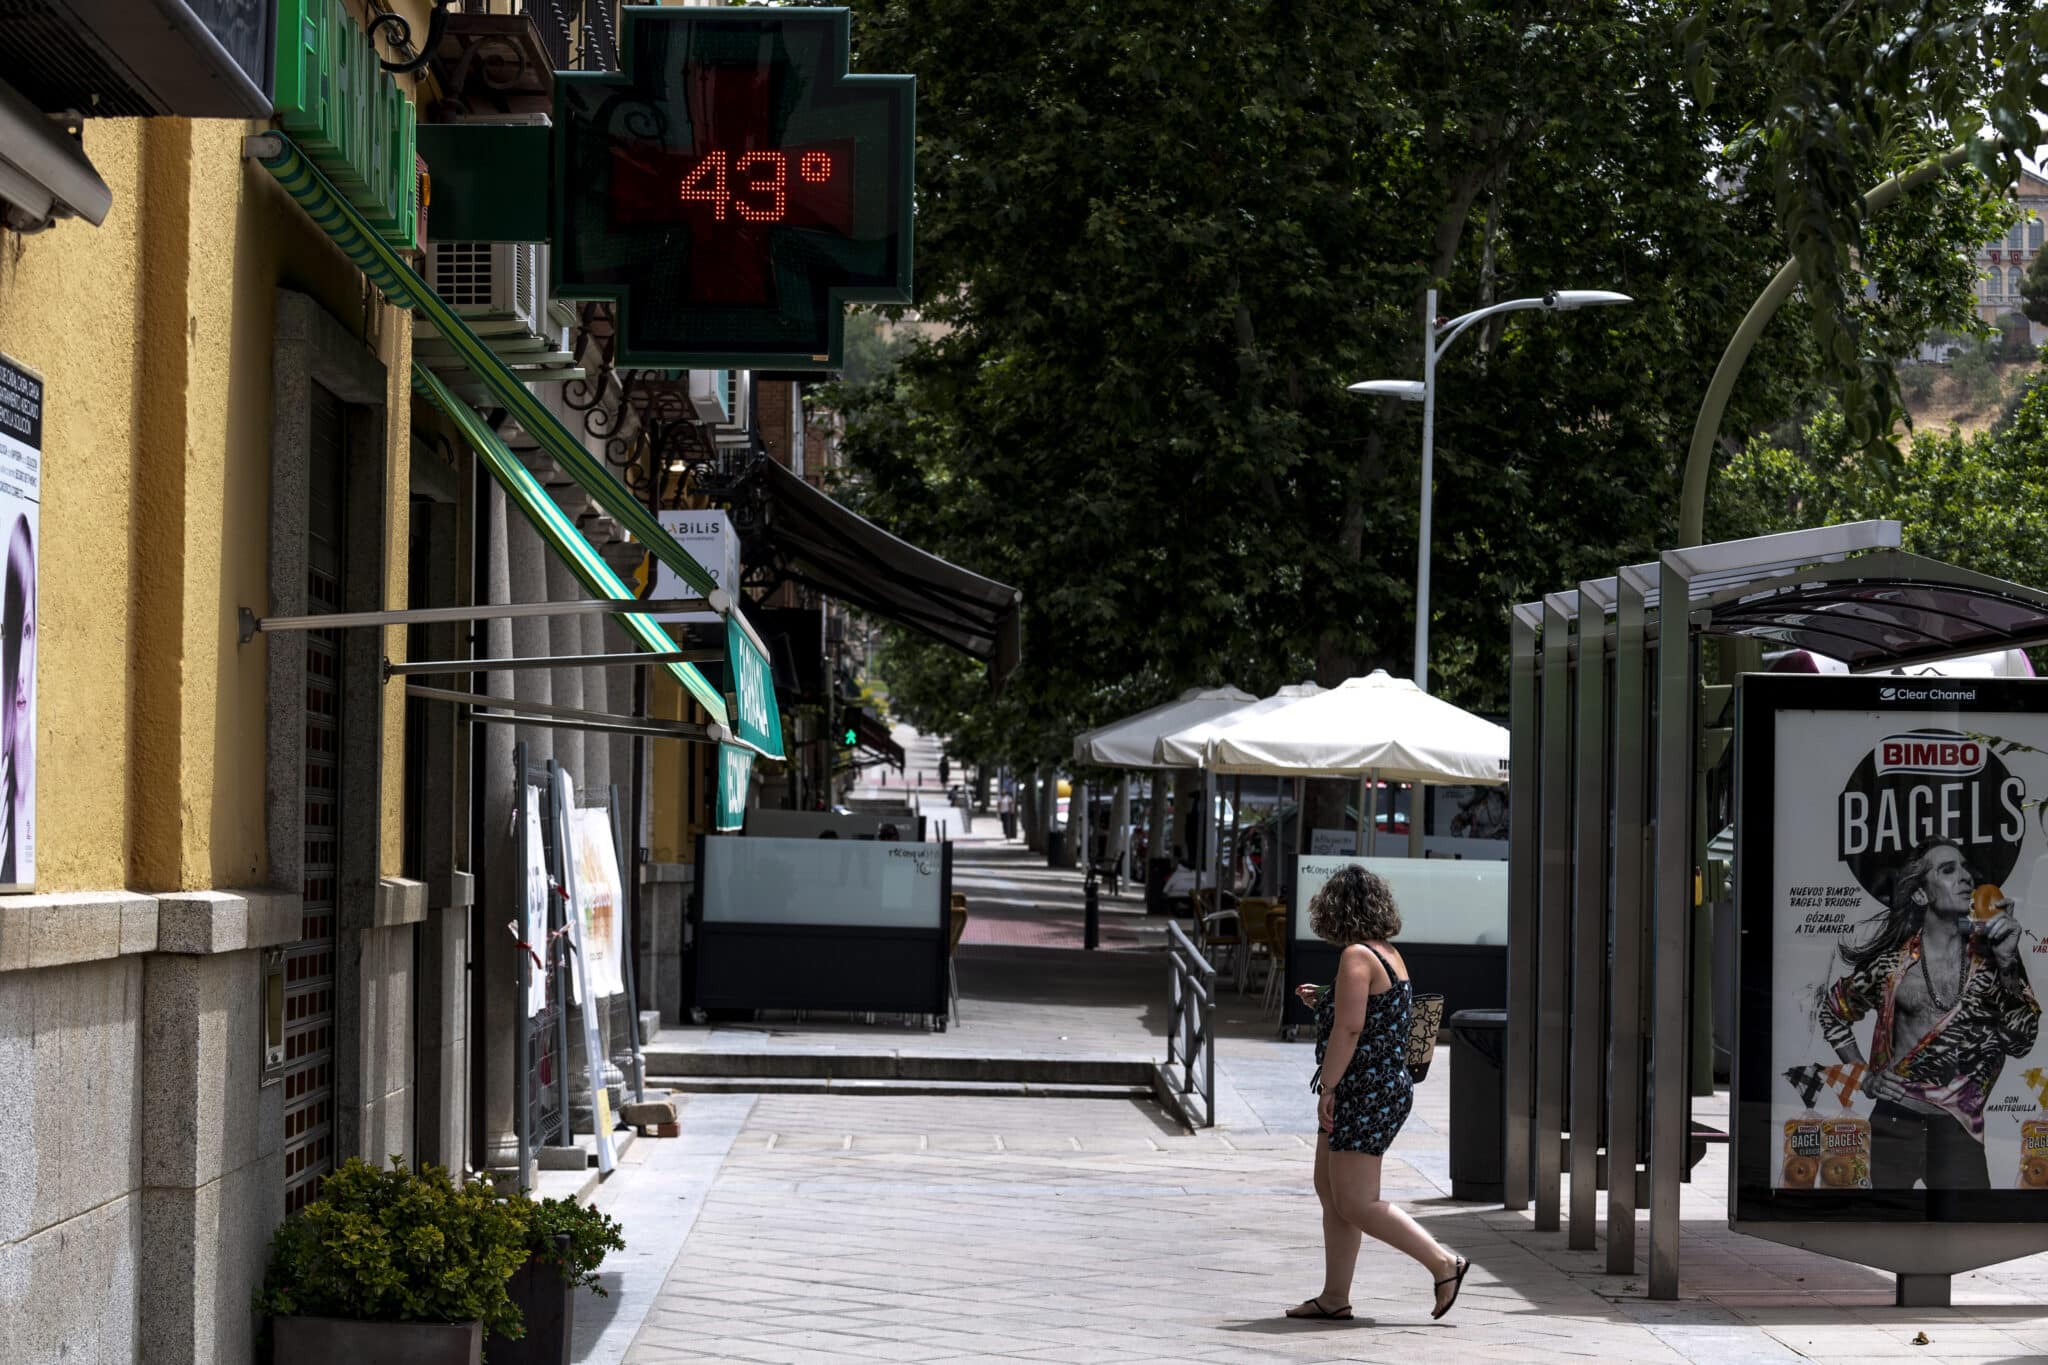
{"points": [[436, 616], [517, 710], [641, 660]]}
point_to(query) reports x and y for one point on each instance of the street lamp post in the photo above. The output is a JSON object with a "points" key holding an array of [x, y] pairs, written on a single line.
{"points": [[1436, 339]]}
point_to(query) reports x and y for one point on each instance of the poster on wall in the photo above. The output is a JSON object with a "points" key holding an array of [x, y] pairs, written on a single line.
{"points": [[535, 931], [600, 900], [1893, 845], [21, 492]]}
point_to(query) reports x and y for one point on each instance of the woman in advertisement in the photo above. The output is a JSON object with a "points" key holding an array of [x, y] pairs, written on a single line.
{"points": [[1365, 1091], [18, 720], [1952, 1002]]}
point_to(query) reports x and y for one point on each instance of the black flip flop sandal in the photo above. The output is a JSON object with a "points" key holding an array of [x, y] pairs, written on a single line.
{"points": [[1342, 1314], [1456, 1282]]}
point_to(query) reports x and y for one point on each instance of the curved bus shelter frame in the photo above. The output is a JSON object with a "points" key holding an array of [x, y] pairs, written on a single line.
{"points": [[1607, 839]]}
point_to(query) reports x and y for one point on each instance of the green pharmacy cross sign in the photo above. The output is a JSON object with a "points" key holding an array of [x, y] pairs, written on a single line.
{"points": [[732, 186]]}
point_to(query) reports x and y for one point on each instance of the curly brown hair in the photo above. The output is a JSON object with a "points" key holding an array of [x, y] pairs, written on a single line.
{"points": [[1354, 906]]}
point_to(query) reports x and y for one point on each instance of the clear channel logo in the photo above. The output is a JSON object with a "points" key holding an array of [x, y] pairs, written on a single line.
{"points": [[1927, 694]]}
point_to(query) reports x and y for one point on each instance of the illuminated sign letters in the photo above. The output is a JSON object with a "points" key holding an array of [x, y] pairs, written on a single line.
{"points": [[733, 186], [348, 115]]}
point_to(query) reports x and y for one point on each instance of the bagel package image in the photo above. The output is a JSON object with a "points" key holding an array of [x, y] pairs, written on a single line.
{"points": [[1908, 892]]}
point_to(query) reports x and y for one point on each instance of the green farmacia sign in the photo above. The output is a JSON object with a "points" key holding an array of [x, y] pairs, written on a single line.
{"points": [[348, 114]]}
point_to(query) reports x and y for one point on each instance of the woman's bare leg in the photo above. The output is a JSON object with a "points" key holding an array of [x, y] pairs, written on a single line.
{"points": [[1355, 1180], [1340, 1239]]}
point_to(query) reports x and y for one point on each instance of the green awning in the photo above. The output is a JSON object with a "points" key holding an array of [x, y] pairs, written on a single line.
{"points": [[404, 289], [556, 528]]}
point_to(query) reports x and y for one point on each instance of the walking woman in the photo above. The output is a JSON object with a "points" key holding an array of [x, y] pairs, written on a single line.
{"points": [[1362, 1077]]}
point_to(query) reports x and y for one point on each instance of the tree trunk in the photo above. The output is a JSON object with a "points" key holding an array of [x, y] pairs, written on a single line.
{"points": [[1031, 810]]}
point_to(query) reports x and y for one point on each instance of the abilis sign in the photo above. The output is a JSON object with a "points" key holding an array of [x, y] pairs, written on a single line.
{"points": [[732, 187]]}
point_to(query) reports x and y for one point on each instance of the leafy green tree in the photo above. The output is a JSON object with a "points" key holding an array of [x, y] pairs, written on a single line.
{"points": [[1979, 501], [1163, 238], [1848, 88], [2034, 289]]}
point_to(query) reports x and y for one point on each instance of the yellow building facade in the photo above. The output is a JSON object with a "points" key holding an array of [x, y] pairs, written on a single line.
{"points": [[205, 353]]}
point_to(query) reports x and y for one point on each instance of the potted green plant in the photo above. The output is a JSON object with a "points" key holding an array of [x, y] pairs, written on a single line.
{"points": [[565, 1244], [393, 1266]]}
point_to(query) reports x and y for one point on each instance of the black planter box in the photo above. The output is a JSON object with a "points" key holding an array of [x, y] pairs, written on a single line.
{"points": [[353, 1341], [544, 1298]]}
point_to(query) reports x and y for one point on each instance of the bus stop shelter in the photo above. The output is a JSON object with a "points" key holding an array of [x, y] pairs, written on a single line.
{"points": [[1608, 838]]}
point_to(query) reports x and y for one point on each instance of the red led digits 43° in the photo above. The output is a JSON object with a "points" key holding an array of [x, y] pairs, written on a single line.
{"points": [[755, 185]]}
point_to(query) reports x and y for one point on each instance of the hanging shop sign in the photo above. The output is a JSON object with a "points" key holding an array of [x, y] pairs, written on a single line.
{"points": [[751, 689], [347, 113], [732, 186], [708, 538], [21, 495], [735, 770], [1893, 895]]}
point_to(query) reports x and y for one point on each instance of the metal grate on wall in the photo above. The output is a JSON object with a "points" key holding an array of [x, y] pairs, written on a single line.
{"points": [[309, 983], [465, 273]]}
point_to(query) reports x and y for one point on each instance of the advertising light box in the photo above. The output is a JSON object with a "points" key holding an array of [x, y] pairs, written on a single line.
{"points": [[1892, 871]]}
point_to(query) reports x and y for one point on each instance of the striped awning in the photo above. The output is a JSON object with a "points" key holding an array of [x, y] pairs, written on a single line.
{"points": [[399, 284]]}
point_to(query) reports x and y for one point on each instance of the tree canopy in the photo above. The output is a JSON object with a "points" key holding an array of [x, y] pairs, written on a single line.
{"points": [[1847, 89], [1980, 501], [1159, 239]]}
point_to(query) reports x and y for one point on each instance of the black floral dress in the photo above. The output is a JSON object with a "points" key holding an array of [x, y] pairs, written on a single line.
{"points": [[1375, 1092]]}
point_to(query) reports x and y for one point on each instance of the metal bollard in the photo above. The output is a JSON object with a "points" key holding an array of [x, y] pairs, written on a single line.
{"points": [[1091, 924]]}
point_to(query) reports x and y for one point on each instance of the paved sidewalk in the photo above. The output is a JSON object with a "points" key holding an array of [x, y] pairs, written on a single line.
{"points": [[850, 1227], [903, 1229]]}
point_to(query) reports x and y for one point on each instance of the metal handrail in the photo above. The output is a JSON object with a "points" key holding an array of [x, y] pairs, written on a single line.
{"points": [[1191, 1025]]}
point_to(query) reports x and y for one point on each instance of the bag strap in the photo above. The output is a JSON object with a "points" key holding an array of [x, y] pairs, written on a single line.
{"points": [[1384, 965]]}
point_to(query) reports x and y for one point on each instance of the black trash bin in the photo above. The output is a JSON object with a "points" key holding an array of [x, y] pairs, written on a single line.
{"points": [[1478, 1103], [1158, 871], [1056, 848]]}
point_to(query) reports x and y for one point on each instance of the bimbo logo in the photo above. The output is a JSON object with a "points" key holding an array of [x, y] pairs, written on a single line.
{"points": [[1921, 787], [1923, 752]]}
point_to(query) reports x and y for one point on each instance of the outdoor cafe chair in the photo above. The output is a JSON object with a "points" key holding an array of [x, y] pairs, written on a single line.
{"points": [[1257, 912], [1220, 933], [1276, 956]]}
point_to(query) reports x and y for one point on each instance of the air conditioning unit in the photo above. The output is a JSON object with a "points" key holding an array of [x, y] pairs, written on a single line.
{"points": [[710, 392], [500, 290], [493, 281], [196, 58], [737, 427]]}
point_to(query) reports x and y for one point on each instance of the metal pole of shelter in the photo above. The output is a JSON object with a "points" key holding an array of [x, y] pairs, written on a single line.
{"points": [[1523, 775], [1670, 1080], [1553, 961], [1631, 831], [1589, 920], [1522, 815]]}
